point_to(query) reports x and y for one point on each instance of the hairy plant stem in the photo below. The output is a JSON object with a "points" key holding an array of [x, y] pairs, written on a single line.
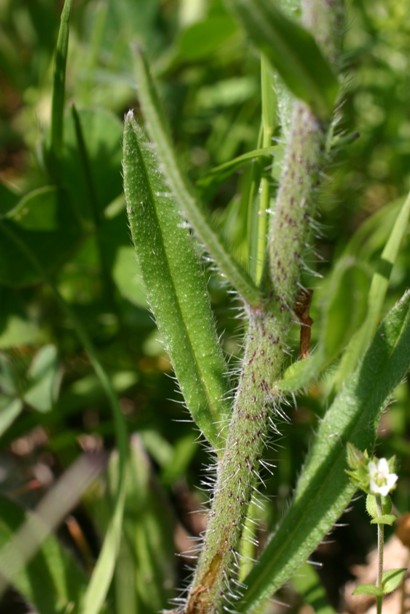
{"points": [[256, 399], [237, 471], [262, 365]]}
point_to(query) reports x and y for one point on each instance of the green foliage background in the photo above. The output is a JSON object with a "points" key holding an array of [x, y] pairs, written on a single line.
{"points": [[73, 219]]}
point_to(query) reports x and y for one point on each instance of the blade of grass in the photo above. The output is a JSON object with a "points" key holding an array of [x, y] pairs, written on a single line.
{"points": [[377, 294], [175, 284], [109, 288], [27, 540], [52, 581], [148, 530], [293, 51], [158, 130], [324, 490], [57, 105], [222, 171], [258, 237], [105, 567]]}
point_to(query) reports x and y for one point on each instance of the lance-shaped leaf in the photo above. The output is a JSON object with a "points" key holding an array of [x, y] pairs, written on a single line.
{"points": [[175, 283], [324, 489], [159, 133], [292, 50]]}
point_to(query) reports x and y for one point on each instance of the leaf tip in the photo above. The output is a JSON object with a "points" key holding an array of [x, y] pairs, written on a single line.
{"points": [[129, 116]]}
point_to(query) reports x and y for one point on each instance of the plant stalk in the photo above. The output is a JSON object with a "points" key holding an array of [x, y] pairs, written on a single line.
{"points": [[380, 553], [257, 401]]}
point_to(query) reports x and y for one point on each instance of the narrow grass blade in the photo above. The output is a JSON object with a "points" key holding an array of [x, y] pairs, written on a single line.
{"points": [[104, 569], [52, 581], [324, 490], [57, 107], [377, 294], [221, 172], [175, 284], [183, 192], [39, 525], [95, 207], [259, 222], [147, 540], [293, 51]]}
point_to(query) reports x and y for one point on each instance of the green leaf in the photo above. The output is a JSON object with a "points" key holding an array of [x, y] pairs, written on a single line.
{"points": [[292, 51], [8, 199], [341, 318], [91, 162], [43, 224], [368, 589], [388, 519], [300, 373], [16, 323], [324, 489], [372, 508], [159, 132], [377, 293], [9, 410], [201, 39], [44, 377], [175, 283], [392, 578]]}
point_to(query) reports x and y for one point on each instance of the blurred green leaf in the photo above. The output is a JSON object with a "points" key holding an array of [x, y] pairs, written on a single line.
{"points": [[200, 41], [376, 296], [43, 379], [350, 280], [308, 584], [392, 579], [102, 134], [8, 200], [293, 51], [368, 589], [17, 327], [43, 224], [10, 409]]}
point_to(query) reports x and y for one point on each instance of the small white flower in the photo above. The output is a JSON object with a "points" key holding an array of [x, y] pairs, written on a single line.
{"points": [[381, 480]]}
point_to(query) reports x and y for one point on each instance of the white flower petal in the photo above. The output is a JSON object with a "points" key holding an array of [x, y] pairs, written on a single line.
{"points": [[381, 480]]}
